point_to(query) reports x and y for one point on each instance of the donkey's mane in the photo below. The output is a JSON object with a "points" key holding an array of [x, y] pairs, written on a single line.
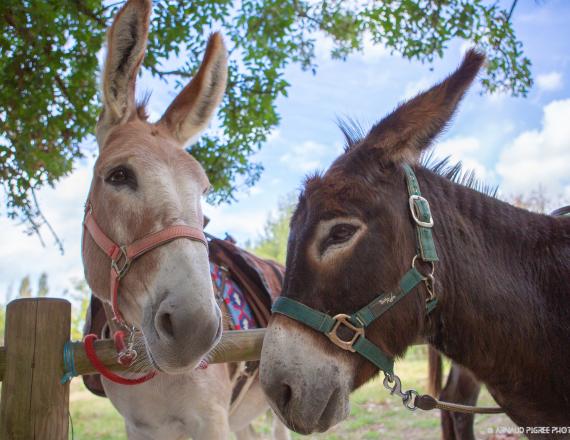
{"points": [[354, 133]]}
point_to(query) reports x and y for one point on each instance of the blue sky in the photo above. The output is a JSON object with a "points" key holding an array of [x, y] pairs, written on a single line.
{"points": [[517, 143]]}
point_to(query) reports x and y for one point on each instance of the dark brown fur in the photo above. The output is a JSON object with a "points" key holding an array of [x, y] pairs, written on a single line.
{"points": [[503, 276]]}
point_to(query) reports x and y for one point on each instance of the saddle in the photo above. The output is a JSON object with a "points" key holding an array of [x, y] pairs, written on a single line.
{"points": [[258, 280], [564, 211]]}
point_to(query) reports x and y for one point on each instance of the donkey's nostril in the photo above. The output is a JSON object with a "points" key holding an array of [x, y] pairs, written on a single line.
{"points": [[165, 322], [286, 395]]}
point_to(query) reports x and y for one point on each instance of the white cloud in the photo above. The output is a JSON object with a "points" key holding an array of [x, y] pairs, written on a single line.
{"points": [[467, 150], [415, 87], [274, 135], [305, 156], [372, 52], [239, 221], [539, 157], [22, 255], [549, 81]]}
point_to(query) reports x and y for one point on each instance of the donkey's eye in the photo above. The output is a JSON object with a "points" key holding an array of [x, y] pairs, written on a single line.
{"points": [[340, 233], [121, 176]]}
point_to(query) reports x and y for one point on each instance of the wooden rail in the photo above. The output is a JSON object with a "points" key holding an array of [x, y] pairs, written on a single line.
{"points": [[34, 404], [242, 345]]}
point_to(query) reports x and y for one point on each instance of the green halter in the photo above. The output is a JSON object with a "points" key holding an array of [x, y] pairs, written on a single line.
{"points": [[358, 321]]}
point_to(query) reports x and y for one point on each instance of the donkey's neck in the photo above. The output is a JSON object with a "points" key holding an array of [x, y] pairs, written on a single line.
{"points": [[503, 290]]}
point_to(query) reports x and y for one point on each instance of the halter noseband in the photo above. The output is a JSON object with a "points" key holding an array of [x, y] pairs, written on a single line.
{"points": [[122, 258], [358, 321]]}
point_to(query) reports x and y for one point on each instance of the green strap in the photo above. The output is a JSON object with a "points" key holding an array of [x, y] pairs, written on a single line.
{"points": [[368, 314], [431, 305], [323, 323], [318, 321], [371, 352], [424, 234]]}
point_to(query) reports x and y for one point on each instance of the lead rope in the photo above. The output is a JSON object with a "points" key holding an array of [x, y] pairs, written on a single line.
{"points": [[412, 400]]}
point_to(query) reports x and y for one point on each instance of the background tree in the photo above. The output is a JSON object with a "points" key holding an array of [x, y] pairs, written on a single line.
{"points": [[272, 243], [48, 70], [43, 288], [79, 296], [25, 290], [539, 200]]}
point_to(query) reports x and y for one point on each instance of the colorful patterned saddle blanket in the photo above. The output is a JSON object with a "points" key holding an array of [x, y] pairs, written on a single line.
{"points": [[231, 295]]}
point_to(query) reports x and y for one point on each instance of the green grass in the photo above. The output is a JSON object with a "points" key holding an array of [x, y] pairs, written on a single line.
{"points": [[374, 415]]}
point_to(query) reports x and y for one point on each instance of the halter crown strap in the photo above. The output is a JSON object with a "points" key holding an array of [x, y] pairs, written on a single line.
{"points": [[421, 214]]}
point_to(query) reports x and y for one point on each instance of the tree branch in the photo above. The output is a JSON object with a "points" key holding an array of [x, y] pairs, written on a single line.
{"points": [[512, 10], [44, 221], [86, 11]]}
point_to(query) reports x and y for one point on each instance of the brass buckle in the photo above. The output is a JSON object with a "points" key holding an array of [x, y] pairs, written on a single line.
{"points": [[412, 200], [341, 318], [122, 263]]}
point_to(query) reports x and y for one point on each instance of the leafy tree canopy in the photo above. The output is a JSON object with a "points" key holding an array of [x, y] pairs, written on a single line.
{"points": [[48, 68]]}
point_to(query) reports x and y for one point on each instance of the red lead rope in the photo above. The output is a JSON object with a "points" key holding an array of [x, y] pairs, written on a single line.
{"points": [[121, 259], [105, 372]]}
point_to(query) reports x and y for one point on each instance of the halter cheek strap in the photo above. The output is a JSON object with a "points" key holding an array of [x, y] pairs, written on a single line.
{"points": [[121, 259]]}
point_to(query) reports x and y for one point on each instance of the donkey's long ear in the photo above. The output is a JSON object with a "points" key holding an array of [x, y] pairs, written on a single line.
{"points": [[193, 108], [126, 44], [411, 128]]}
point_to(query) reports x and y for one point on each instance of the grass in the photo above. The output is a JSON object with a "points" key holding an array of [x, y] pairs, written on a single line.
{"points": [[374, 415]]}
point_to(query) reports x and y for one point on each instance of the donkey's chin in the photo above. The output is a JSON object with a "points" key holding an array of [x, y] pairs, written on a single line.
{"points": [[318, 418]]}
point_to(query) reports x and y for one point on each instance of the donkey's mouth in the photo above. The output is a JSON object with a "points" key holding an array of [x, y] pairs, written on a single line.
{"points": [[151, 360]]}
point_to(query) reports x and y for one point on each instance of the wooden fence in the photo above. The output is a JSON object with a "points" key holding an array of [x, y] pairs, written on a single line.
{"points": [[34, 403]]}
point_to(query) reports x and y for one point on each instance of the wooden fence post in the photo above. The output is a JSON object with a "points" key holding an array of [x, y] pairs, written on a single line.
{"points": [[34, 404]]}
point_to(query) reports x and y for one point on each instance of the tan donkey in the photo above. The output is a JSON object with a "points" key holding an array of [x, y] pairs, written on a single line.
{"points": [[146, 184]]}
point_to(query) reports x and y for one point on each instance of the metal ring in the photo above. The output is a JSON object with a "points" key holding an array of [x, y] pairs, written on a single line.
{"points": [[410, 401], [121, 271], [429, 275]]}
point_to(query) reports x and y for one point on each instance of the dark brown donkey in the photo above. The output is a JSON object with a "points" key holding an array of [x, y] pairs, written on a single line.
{"points": [[502, 282]]}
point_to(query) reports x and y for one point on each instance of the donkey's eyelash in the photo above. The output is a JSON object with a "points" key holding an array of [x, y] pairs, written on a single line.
{"points": [[338, 234], [122, 176]]}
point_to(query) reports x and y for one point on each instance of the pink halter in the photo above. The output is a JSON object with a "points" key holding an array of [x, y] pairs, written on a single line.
{"points": [[121, 259]]}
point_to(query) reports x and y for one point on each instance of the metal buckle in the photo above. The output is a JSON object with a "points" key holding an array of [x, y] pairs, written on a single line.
{"points": [[121, 271], [425, 276], [428, 279], [408, 397], [341, 318], [412, 201]]}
